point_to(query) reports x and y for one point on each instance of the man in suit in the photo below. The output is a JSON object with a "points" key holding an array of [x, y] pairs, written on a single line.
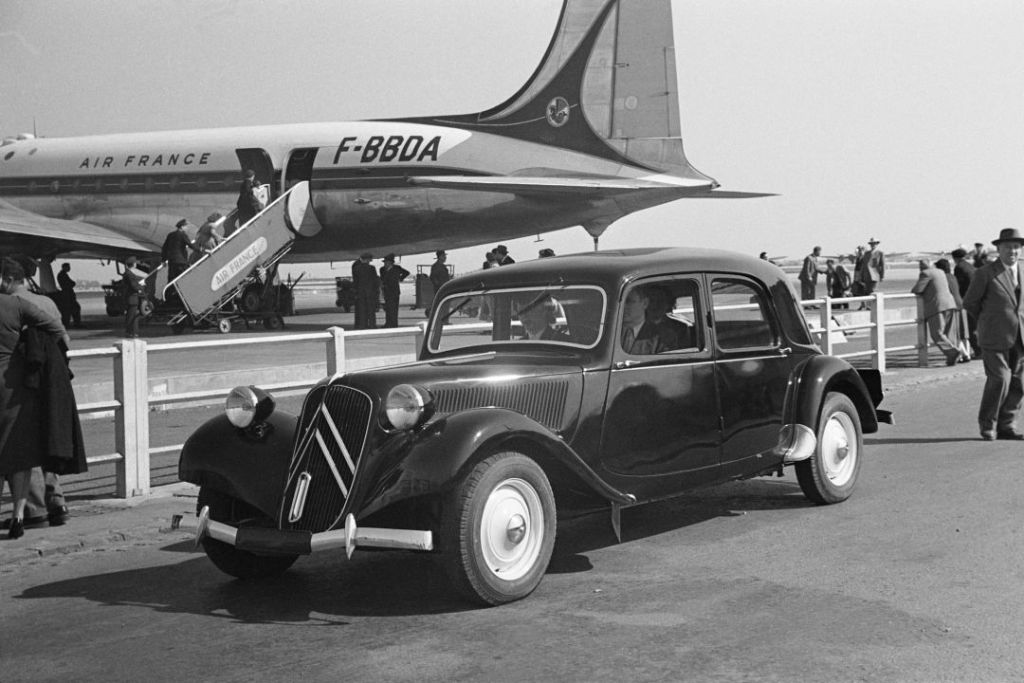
{"points": [[872, 269], [366, 282], [639, 336], [994, 300], [939, 306], [538, 319], [963, 271], [809, 273]]}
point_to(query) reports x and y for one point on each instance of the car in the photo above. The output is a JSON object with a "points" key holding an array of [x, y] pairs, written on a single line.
{"points": [[595, 381]]}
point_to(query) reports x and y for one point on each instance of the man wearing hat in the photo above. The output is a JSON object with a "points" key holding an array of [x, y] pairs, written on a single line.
{"points": [[391, 276], [175, 250], [439, 271], [249, 202], [994, 300], [366, 284], [872, 268], [503, 258], [980, 255]]}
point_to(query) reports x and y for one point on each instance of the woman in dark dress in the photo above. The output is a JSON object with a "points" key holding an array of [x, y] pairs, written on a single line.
{"points": [[17, 463]]}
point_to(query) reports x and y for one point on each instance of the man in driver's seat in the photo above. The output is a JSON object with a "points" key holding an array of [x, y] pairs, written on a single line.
{"points": [[538, 319]]}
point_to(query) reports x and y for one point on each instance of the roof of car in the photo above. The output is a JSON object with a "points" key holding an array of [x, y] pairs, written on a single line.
{"points": [[613, 266]]}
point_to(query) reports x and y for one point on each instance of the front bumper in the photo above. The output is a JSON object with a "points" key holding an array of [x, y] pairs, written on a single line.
{"points": [[277, 542]]}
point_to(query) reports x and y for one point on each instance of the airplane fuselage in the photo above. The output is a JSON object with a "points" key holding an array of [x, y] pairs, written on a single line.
{"points": [[142, 184]]}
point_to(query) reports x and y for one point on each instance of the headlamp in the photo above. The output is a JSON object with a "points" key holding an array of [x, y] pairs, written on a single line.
{"points": [[408, 406], [247, 405]]}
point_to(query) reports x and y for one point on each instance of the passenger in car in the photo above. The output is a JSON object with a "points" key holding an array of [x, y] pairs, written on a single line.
{"points": [[674, 334], [639, 336], [538, 320]]}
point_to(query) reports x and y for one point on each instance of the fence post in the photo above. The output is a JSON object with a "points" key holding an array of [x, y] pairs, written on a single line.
{"points": [[878, 332], [922, 334], [826, 325], [336, 351], [417, 339], [131, 418]]}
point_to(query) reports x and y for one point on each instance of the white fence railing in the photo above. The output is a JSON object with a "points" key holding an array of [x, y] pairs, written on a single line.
{"points": [[132, 401]]}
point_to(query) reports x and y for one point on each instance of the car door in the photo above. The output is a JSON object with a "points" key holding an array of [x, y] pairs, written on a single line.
{"points": [[752, 367], [660, 430]]}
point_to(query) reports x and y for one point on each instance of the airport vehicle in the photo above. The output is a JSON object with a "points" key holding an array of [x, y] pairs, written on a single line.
{"points": [[469, 451], [594, 135]]}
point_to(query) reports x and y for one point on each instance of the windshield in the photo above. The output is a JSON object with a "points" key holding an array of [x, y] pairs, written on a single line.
{"points": [[556, 315]]}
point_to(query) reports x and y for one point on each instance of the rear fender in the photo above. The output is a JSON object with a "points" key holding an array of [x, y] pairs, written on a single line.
{"points": [[235, 462], [435, 458], [819, 375]]}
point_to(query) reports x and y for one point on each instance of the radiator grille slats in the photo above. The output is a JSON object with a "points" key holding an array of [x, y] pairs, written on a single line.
{"points": [[543, 401], [333, 436]]}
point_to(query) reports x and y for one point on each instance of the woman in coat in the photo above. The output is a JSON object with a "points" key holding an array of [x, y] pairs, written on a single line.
{"points": [[16, 463]]}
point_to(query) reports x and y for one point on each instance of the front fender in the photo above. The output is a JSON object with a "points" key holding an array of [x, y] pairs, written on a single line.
{"points": [[819, 375], [430, 461], [233, 461]]}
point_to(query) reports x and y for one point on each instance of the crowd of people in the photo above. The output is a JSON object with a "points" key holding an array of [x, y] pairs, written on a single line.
{"points": [[972, 307], [868, 272]]}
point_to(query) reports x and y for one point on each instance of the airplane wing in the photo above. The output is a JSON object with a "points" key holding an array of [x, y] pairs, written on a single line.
{"points": [[582, 187], [26, 232]]}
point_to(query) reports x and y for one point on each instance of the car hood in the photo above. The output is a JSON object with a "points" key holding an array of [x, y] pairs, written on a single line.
{"points": [[545, 388]]}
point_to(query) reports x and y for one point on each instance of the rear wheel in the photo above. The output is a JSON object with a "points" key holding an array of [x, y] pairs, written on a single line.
{"points": [[498, 529], [830, 474], [229, 559], [224, 325]]}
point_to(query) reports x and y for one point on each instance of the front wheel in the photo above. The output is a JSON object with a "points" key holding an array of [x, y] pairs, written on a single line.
{"points": [[498, 529], [229, 559], [830, 474]]}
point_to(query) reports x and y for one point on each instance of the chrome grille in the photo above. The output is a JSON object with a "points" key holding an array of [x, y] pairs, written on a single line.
{"points": [[332, 438], [543, 401]]}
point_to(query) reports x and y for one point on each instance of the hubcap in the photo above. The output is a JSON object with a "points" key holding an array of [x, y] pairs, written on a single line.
{"points": [[839, 448], [512, 529]]}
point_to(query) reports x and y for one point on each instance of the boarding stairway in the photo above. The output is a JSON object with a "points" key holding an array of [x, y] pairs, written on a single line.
{"points": [[249, 255]]}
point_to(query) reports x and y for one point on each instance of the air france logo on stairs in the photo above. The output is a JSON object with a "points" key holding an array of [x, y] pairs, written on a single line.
{"points": [[238, 264]]}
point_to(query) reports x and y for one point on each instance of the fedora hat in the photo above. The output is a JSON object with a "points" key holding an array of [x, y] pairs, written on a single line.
{"points": [[1009, 235], [873, 241]]}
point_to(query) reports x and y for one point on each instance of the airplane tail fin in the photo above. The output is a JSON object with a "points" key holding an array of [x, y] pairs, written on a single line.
{"points": [[606, 86]]}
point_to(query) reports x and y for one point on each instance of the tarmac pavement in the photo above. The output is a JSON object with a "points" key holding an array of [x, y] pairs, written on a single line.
{"points": [[104, 523]]}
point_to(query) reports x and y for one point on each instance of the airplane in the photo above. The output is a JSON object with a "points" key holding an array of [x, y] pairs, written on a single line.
{"points": [[592, 136]]}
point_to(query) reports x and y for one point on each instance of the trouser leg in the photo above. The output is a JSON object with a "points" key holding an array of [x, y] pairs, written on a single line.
{"points": [[997, 385], [1009, 409], [54, 492], [937, 326]]}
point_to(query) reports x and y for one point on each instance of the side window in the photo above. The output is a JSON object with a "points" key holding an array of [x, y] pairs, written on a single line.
{"points": [[662, 317], [741, 315]]}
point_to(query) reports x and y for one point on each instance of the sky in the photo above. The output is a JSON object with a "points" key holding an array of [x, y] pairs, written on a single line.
{"points": [[899, 120]]}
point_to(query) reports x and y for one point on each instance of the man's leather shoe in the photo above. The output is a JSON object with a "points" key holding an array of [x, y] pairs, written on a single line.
{"points": [[58, 516], [988, 436], [27, 523], [1009, 435]]}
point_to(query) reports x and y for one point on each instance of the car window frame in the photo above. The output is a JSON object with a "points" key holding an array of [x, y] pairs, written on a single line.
{"points": [[622, 356], [767, 306], [432, 336]]}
